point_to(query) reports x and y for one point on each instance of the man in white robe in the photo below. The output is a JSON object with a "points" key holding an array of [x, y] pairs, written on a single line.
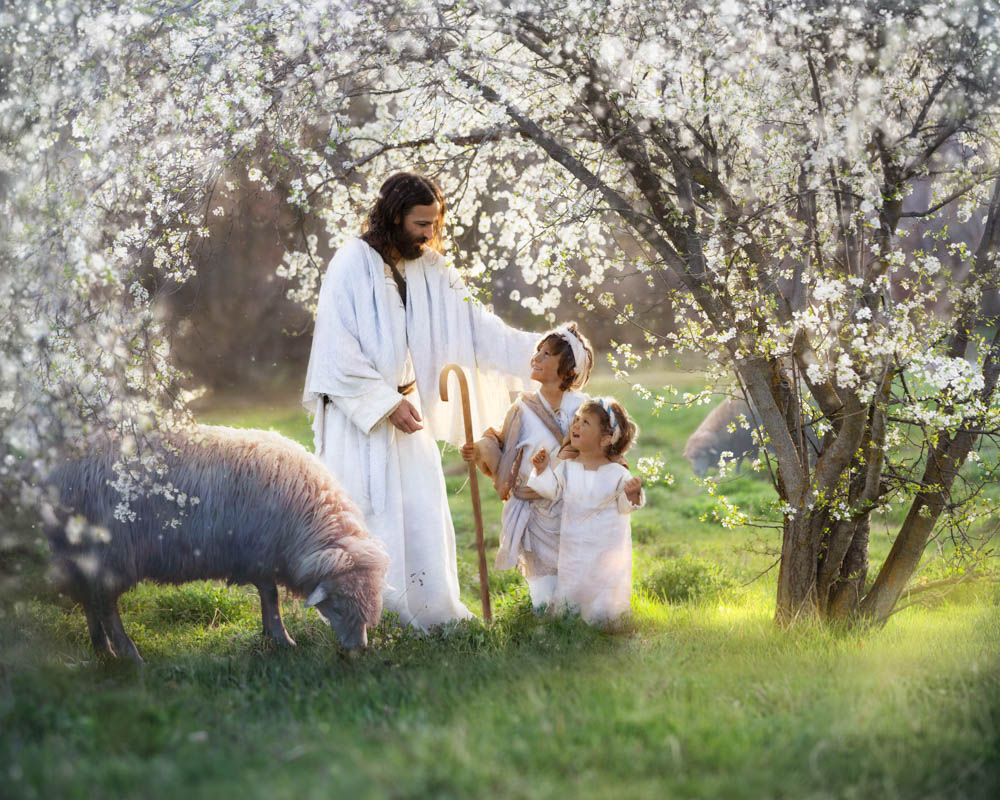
{"points": [[391, 315]]}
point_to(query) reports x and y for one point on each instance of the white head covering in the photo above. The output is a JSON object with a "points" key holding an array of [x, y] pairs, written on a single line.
{"points": [[616, 429], [580, 355]]}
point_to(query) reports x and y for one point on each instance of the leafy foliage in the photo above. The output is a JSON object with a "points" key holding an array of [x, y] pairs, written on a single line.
{"points": [[687, 578]]}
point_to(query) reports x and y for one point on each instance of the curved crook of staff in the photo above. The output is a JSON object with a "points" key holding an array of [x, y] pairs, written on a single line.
{"points": [[477, 511]]}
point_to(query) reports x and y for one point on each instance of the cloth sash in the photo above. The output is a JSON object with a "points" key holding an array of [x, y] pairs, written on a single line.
{"points": [[497, 455]]}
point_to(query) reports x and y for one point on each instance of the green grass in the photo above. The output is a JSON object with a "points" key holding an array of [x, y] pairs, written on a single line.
{"points": [[701, 696]]}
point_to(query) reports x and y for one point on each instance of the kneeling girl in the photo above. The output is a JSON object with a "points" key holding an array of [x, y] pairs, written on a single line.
{"points": [[530, 524], [598, 494]]}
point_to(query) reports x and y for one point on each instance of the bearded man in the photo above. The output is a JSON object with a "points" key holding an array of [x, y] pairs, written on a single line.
{"points": [[391, 315]]}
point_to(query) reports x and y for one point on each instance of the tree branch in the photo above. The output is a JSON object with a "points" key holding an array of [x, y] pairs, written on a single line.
{"points": [[615, 202], [951, 198]]}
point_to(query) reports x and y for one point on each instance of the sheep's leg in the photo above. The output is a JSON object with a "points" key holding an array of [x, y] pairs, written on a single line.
{"points": [[124, 646], [270, 612], [98, 636]]}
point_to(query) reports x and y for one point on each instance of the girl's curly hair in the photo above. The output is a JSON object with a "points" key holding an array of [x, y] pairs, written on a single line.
{"points": [[603, 408]]}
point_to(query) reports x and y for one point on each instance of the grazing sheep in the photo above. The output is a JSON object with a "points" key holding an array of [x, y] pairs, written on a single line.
{"points": [[712, 437], [259, 510]]}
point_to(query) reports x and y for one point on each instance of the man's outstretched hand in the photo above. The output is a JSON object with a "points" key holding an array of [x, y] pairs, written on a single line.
{"points": [[406, 417]]}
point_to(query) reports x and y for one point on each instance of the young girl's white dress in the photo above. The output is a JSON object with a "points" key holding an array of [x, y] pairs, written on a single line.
{"points": [[595, 542]]}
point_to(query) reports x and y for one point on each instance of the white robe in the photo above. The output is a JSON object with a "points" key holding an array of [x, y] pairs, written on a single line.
{"points": [[530, 528], [364, 346], [595, 538]]}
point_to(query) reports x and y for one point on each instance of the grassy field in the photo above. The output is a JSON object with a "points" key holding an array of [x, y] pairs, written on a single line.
{"points": [[700, 697]]}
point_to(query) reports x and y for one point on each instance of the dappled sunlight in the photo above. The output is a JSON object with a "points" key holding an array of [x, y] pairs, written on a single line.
{"points": [[734, 615]]}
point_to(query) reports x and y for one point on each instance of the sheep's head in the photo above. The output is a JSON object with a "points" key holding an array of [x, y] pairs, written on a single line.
{"points": [[348, 589], [702, 460], [343, 614], [351, 602]]}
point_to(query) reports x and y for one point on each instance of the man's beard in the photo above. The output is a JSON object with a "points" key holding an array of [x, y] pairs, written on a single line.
{"points": [[408, 247]]}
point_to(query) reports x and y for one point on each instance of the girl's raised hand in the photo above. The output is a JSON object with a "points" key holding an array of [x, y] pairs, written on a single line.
{"points": [[540, 460], [469, 451], [633, 490]]}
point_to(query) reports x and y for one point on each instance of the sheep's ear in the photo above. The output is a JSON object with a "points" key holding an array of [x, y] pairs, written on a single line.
{"points": [[318, 596]]}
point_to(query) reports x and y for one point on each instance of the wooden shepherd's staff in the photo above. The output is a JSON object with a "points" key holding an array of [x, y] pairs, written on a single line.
{"points": [[477, 511]]}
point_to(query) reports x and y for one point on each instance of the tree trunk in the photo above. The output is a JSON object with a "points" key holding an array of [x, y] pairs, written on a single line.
{"points": [[815, 580], [845, 595], [797, 570], [943, 465]]}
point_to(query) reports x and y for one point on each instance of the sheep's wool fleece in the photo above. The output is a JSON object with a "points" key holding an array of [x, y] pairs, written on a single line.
{"points": [[365, 345]]}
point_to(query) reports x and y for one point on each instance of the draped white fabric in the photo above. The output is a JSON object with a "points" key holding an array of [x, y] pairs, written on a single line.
{"points": [[445, 324], [353, 355], [530, 528], [364, 347]]}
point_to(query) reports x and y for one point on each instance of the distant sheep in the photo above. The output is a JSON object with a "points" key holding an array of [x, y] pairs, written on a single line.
{"points": [[267, 513], [712, 437]]}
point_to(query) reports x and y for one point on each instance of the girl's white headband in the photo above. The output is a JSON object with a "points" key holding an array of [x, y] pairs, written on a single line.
{"points": [[616, 431], [576, 346]]}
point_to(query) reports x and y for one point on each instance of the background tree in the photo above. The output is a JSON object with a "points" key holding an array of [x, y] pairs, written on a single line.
{"points": [[755, 163]]}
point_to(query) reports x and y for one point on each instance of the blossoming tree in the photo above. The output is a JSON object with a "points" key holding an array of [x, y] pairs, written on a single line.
{"points": [[757, 162]]}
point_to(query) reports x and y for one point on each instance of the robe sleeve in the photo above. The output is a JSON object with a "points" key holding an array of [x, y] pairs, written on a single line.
{"points": [[488, 452], [546, 483], [338, 367], [498, 346], [491, 447], [445, 325], [369, 409]]}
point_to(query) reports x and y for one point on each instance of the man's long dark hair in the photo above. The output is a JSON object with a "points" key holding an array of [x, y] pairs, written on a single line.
{"points": [[383, 227]]}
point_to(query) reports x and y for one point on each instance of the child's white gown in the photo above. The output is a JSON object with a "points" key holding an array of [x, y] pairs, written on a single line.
{"points": [[595, 543]]}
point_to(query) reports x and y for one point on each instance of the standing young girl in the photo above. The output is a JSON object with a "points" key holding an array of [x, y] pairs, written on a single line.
{"points": [[597, 494], [530, 523]]}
